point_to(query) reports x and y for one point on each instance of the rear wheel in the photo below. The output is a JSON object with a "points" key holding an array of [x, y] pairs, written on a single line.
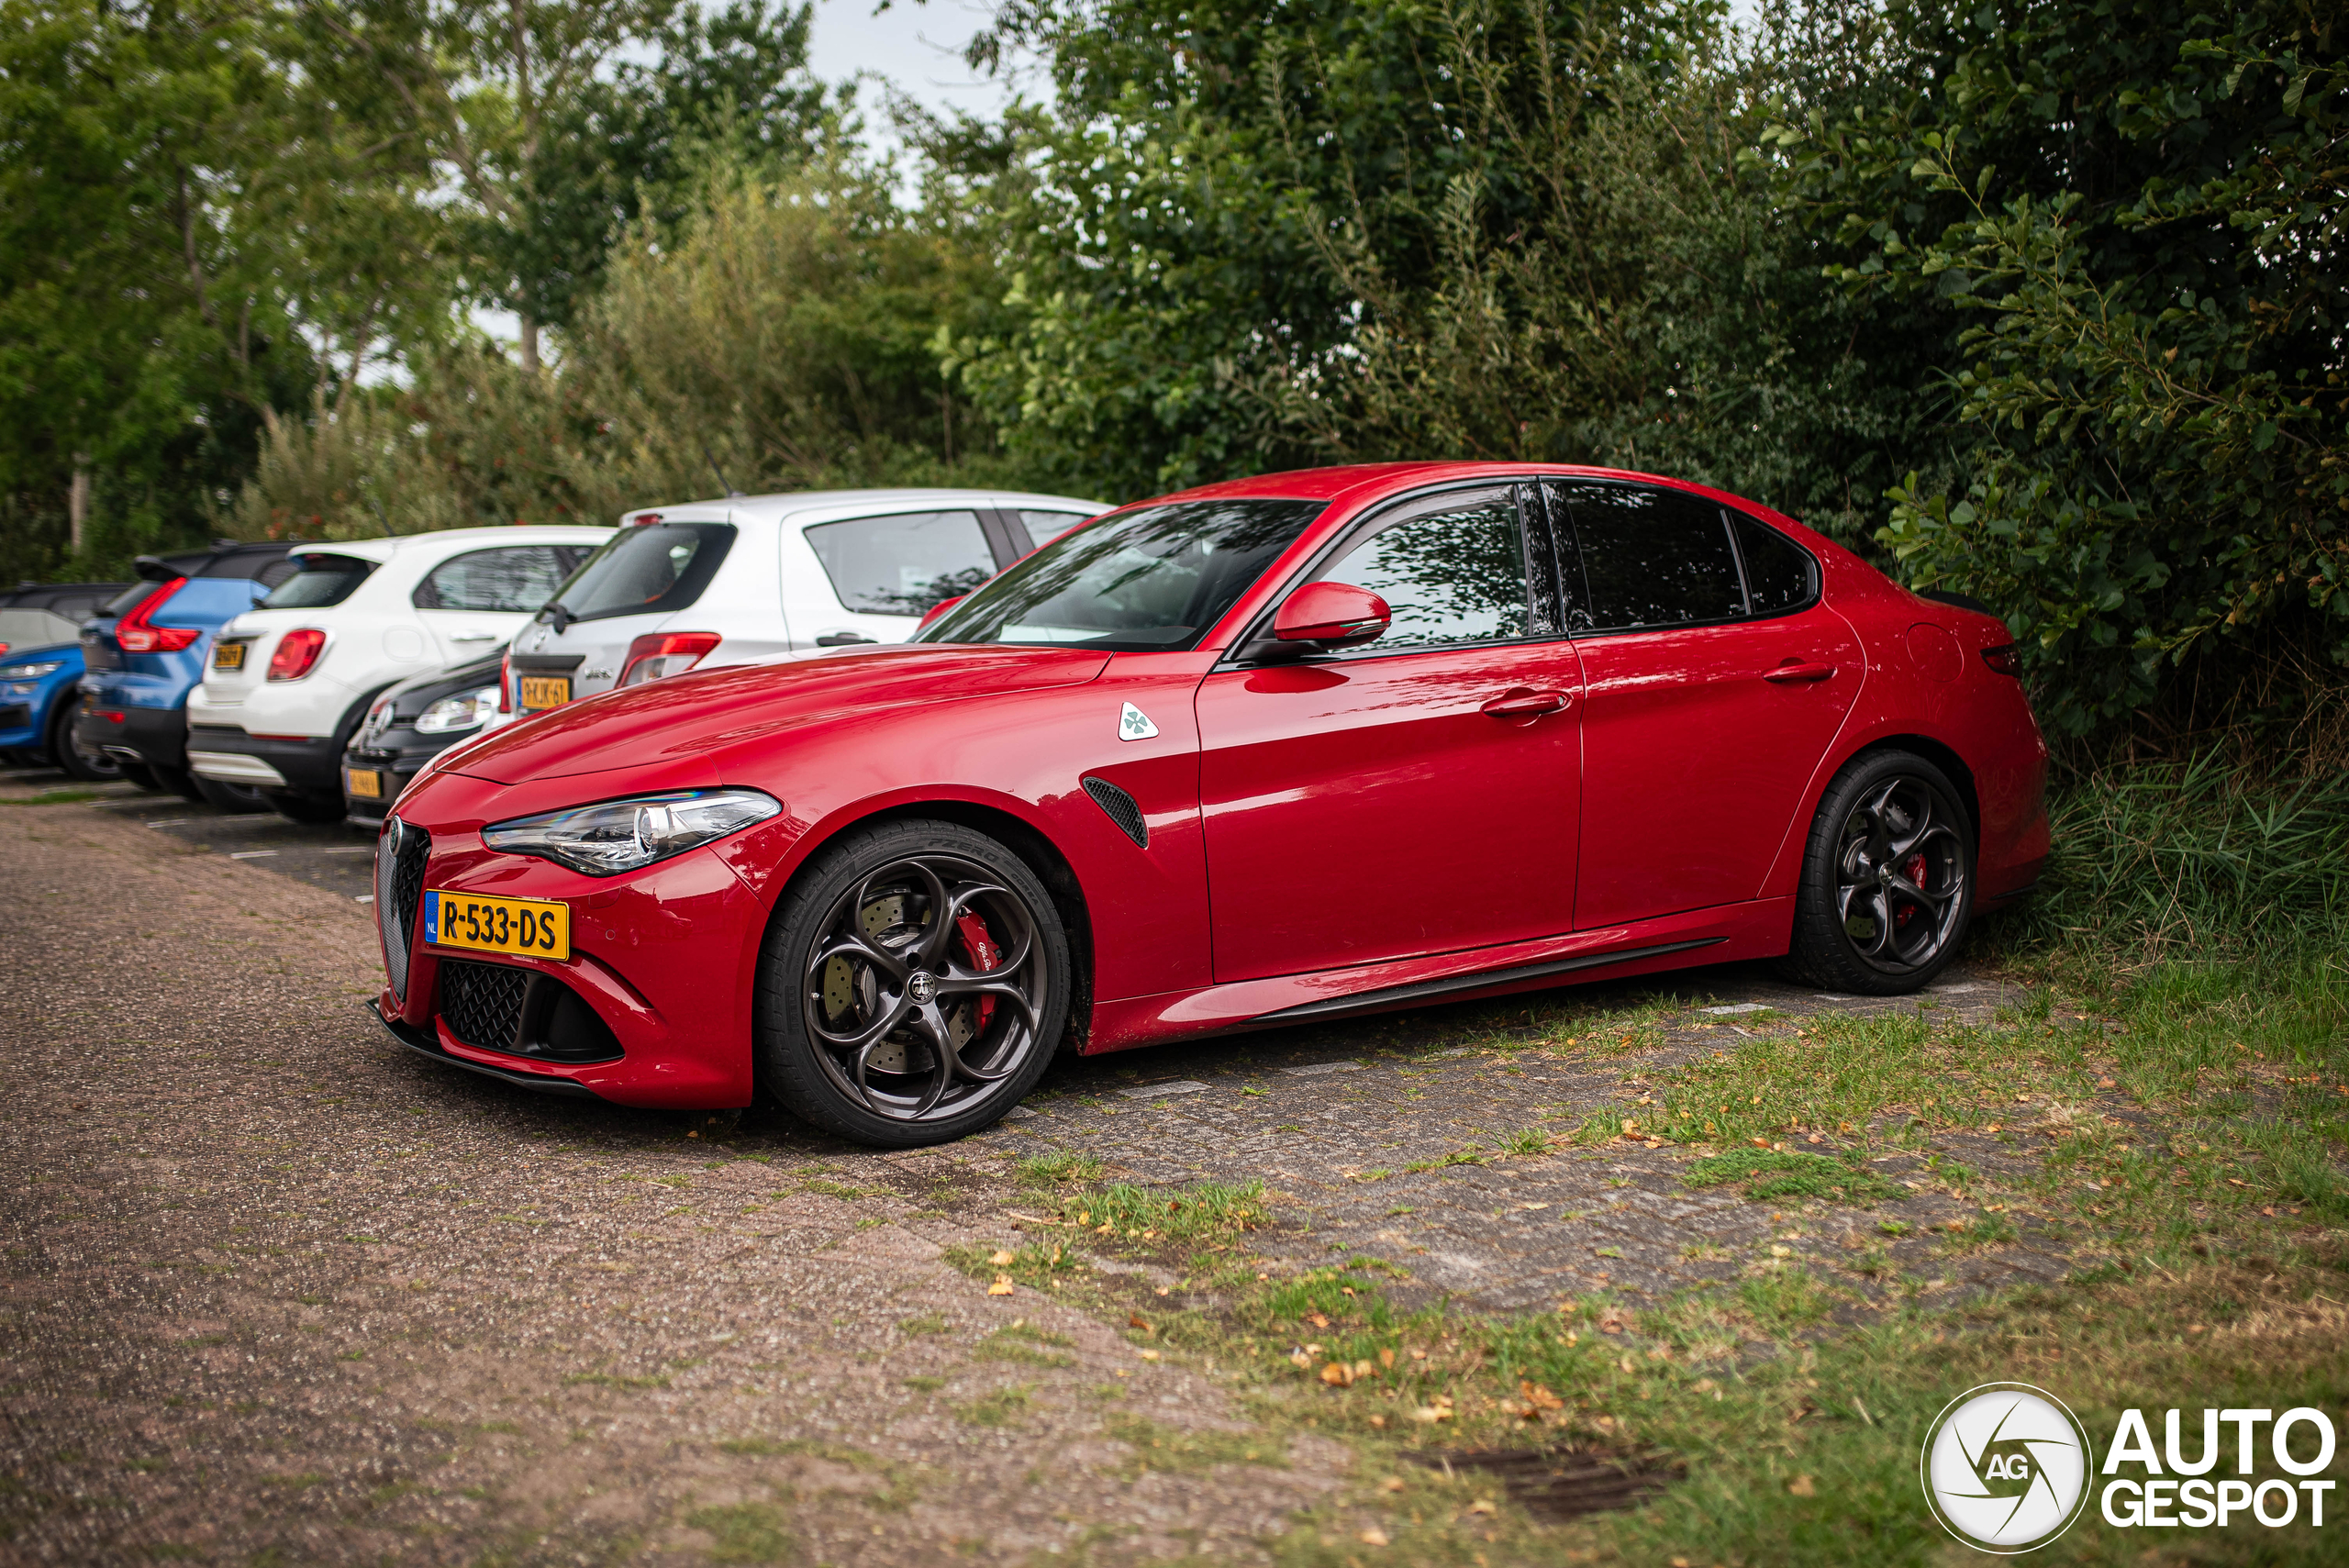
{"points": [[90, 765], [176, 781], [912, 986], [1887, 878], [302, 807], [228, 797]]}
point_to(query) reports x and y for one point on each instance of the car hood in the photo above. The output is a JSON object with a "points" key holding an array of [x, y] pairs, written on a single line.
{"points": [[697, 716], [43, 653]]}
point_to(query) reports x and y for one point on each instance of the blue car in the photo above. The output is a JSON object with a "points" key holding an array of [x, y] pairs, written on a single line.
{"points": [[41, 666], [145, 652]]}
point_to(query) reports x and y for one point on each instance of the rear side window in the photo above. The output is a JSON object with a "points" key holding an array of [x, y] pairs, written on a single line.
{"points": [[317, 582], [1779, 575], [1650, 558], [651, 570], [1452, 573], [1043, 526], [902, 565], [516, 578]]}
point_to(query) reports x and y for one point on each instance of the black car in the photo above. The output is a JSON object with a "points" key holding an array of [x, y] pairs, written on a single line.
{"points": [[408, 727], [145, 652]]}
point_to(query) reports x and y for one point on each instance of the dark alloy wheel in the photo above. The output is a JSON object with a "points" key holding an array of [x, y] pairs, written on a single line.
{"points": [[86, 763], [1887, 880], [913, 985]]}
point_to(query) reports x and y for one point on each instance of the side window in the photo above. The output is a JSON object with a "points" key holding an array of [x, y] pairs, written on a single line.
{"points": [[1452, 572], [1650, 558], [1779, 575], [1043, 526], [902, 565], [517, 579]]}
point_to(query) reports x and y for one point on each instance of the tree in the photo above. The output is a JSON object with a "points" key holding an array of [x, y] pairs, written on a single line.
{"points": [[2135, 209]]}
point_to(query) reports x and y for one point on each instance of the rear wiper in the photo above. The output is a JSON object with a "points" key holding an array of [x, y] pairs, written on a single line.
{"points": [[558, 617]]}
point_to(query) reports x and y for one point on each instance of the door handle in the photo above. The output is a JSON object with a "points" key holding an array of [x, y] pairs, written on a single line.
{"points": [[1524, 703], [1797, 672], [843, 640], [473, 637]]}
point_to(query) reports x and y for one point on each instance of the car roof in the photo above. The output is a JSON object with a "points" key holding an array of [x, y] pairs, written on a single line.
{"points": [[788, 503], [383, 548], [44, 596], [1373, 479]]}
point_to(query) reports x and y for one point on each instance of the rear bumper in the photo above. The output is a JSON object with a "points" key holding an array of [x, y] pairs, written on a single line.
{"points": [[155, 737], [311, 764]]}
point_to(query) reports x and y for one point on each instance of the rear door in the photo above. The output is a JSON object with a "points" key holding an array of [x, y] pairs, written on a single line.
{"points": [[1420, 794], [871, 579], [1715, 681]]}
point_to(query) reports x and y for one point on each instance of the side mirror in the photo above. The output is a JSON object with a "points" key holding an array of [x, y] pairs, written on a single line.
{"points": [[1332, 614], [939, 609]]}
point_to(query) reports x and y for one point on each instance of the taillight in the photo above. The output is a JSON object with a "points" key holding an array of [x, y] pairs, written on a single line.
{"points": [[505, 684], [2006, 659], [665, 653], [137, 633], [297, 652]]}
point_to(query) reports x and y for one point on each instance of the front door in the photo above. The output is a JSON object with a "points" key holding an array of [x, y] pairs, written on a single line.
{"points": [[1714, 679], [1415, 796]]}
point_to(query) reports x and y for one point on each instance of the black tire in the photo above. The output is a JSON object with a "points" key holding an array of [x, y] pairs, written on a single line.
{"points": [[863, 918], [139, 775], [231, 797], [1887, 878], [90, 767], [303, 807], [176, 781]]}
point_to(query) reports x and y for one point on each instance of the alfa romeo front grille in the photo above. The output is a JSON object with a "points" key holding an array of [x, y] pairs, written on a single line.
{"points": [[482, 1003], [400, 853]]}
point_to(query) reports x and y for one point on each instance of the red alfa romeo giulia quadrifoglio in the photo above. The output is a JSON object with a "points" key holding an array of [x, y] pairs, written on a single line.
{"points": [[1290, 747]]}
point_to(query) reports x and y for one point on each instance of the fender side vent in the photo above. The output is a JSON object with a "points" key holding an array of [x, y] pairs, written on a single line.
{"points": [[1120, 808]]}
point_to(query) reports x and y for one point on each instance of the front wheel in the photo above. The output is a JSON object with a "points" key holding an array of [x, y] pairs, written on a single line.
{"points": [[912, 986], [1887, 878], [89, 765]]}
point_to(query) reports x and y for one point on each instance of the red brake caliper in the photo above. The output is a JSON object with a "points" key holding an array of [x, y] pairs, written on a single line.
{"points": [[980, 948], [1915, 871]]}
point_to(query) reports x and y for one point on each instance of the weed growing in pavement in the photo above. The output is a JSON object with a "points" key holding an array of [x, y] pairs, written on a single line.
{"points": [[997, 1407], [745, 1532], [1786, 1172], [1060, 1170], [1163, 1448], [1125, 1212]]}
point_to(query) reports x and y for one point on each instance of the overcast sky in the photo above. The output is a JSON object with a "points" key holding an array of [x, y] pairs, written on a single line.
{"points": [[918, 47]]}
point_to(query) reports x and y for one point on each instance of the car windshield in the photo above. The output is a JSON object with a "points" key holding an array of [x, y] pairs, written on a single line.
{"points": [[658, 567], [1153, 578]]}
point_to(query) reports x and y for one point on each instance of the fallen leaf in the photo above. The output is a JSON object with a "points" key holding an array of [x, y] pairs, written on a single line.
{"points": [[1337, 1375], [1165, 1290], [1150, 1355], [1001, 1259], [1298, 1358], [1317, 1320], [1002, 1285], [1803, 1487], [1392, 1483], [1481, 1506], [1387, 1357], [1373, 1536]]}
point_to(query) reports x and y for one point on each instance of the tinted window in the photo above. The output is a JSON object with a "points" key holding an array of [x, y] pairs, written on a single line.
{"points": [[317, 581], [1779, 575], [122, 603], [658, 568], [1157, 577], [1452, 571], [1651, 556], [266, 566], [902, 565], [516, 578]]}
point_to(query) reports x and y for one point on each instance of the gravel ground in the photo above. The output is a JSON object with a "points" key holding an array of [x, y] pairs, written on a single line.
{"points": [[278, 1292]]}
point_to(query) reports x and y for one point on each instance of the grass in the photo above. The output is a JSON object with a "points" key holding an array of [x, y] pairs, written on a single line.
{"points": [[1768, 1173], [745, 1532]]}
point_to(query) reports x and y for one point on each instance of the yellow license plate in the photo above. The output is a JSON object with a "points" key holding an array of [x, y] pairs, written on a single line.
{"points": [[544, 690], [227, 655], [365, 784], [528, 927]]}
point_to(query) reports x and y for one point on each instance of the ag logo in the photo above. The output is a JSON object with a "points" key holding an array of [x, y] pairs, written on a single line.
{"points": [[2005, 1467], [1135, 724]]}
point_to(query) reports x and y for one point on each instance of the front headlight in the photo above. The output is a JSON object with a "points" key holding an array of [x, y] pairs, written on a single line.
{"points": [[30, 672], [625, 835], [450, 714]]}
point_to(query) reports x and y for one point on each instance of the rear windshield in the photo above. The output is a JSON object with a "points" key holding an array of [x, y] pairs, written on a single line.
{"points": [[1157, 577], [646, 570], [319, 581], [122, 604]]}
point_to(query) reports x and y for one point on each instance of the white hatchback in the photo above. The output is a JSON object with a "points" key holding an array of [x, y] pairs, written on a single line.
{"points": [[289, 680], [751, 577]]}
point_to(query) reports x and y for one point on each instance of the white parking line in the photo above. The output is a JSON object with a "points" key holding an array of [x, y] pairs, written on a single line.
{"points": [[364, 898], [1318, 1068], [251, 854], [1738, 1007], [349, 850], [169, 822]]}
